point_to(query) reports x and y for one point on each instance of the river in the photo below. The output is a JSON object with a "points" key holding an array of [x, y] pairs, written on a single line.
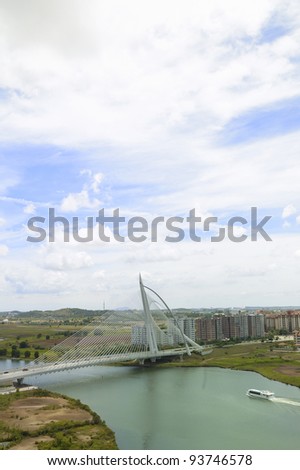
{"points": [[184, 408]]}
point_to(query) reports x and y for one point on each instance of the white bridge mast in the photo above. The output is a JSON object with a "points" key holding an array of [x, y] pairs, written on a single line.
{"points": [[151, 337]]}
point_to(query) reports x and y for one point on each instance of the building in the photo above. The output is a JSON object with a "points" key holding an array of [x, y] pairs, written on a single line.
{"points": [[242, 330], [222, 327], [285, 322], [256, 325], [139, 335], [189, 328], [205, 329], [297, 338], [163, 337]]}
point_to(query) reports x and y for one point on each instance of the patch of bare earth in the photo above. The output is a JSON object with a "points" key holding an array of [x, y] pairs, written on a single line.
{"points": [[85, 434], [32, 413], [31, 443], [292, 371]]}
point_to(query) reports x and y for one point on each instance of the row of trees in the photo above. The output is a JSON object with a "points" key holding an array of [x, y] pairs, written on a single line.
{"points": [[16, 353]]}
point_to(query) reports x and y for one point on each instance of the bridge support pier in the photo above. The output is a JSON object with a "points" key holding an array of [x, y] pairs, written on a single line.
{"points": [[18, 383]]}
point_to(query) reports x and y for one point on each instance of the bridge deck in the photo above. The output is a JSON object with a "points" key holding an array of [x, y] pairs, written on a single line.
{"points": [[39, 369]]}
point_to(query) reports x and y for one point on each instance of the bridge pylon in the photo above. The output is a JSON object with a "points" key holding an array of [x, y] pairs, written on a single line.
{"points": [[149, 325]]}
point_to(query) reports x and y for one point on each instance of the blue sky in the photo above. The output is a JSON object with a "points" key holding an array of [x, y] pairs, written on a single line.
{"points": [[262, 123], [192, 106]]}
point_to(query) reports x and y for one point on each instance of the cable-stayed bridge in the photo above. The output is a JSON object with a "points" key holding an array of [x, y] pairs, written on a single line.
{"points": [[150, 334]]}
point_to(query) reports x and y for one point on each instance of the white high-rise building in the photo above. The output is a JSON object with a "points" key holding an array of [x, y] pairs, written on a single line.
{"points": [[187, 326], [139, 335]]}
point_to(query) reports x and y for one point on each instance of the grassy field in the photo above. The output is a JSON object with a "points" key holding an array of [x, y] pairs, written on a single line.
{"points": [[27, 340], [273, 361]]}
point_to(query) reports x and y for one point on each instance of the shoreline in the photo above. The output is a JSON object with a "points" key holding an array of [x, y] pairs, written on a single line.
{"points": [[42, 420], [282, 365], [275, 363]]}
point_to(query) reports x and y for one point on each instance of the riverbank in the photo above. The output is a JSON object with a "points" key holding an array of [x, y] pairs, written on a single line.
{"points": [[275, 363], [39, 420], [144, 418]]}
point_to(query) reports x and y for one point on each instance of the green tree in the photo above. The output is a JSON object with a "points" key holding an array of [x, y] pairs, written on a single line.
{"points": [[15, 352]]}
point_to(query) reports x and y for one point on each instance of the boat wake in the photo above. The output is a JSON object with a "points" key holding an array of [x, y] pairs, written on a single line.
{"points": [[286, 401]]}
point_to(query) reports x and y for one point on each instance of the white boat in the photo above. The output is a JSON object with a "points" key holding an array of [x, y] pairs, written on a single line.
{"points": [[252, 393]]}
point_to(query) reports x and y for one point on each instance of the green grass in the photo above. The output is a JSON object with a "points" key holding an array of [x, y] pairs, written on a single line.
{"points": [[256, 357], [40, 337]]}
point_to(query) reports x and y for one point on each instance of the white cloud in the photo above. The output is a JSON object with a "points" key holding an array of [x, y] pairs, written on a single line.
{"points": [[289, 210], [3, 250], [153, 253], [83, 199], [95, 179], [30, 209], [76, 201], [99, 281], [35, 282], [107, 78], [63, 256], [65, 261]]}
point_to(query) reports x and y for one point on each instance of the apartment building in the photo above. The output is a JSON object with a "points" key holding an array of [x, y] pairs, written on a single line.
{"points": [[288, 321], [221, 326]]}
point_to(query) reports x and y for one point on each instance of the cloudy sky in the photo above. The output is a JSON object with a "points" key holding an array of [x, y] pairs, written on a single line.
{"points": [[154, 108]]}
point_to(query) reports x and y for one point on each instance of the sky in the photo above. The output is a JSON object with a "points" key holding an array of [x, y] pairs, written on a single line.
{"points": [[154, 109]]}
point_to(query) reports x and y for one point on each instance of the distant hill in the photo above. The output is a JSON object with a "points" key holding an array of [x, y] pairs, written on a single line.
{"points": [[60, 313], [73, 312]]}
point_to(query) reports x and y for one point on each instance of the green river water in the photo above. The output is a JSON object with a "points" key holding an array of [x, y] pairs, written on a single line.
{"points": [[184, 408]]}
